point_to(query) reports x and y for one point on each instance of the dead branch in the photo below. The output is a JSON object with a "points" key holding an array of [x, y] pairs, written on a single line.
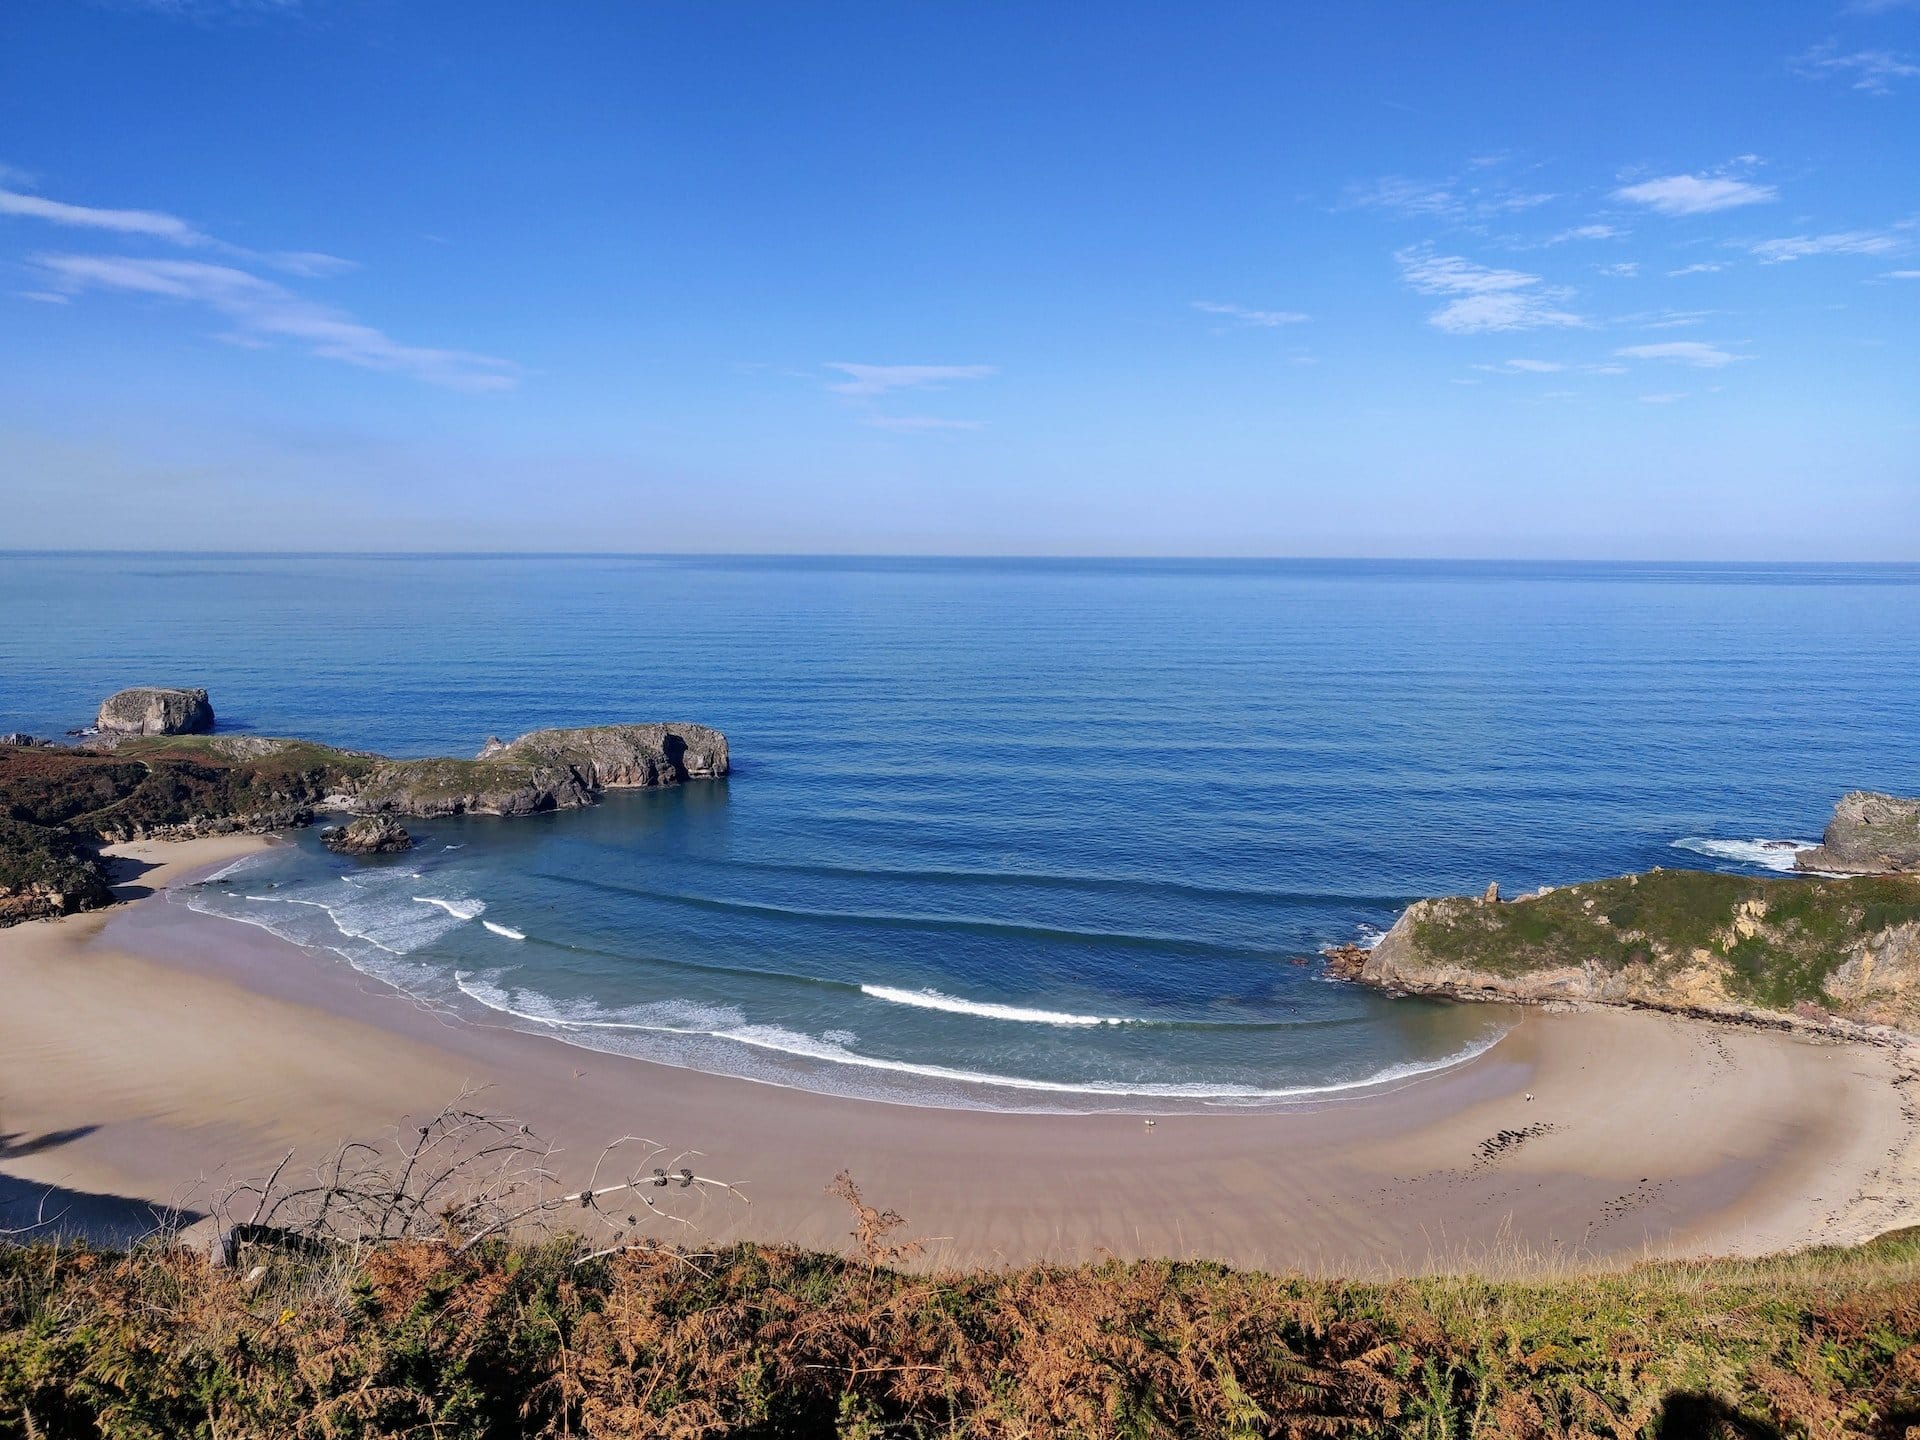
{"points": [[464, 1177]]}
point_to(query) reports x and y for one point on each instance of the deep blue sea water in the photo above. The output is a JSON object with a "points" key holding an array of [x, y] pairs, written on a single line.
{"points": [[1071, 827]]}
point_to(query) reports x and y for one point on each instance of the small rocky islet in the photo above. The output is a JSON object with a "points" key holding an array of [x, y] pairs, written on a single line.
{"points": [[153, 770]]}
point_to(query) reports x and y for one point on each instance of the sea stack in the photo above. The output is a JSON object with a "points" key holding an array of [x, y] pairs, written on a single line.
{"points": [[369, 835], [155, 710]]}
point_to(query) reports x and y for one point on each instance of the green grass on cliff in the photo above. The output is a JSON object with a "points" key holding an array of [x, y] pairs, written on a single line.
{"points": [[1659, 919], [765, 1342]]}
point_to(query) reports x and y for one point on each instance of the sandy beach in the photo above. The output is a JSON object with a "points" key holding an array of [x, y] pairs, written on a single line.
{"points": [[155, 1054]]}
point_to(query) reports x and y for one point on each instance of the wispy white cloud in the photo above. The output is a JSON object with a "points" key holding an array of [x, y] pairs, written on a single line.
{"points": [[1588, 232], [159, 225], [920, 423], [1697, 353], [1665, 397], [1264, 319], [1704, 267], [1441, 199], [1624, 270], [1903, 275], [151, 223], [1846, 242], [1525, 367], [1695, 194], [43, 297], [260, 312], [870, 380], [1664, 319], [1873, 71], [1485, 299]]}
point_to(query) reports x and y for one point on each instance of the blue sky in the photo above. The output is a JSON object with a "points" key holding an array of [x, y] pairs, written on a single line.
{"points": [[1633, 280]]}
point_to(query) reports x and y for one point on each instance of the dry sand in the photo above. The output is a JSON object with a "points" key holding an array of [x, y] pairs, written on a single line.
{"points": [[154, 1053]]}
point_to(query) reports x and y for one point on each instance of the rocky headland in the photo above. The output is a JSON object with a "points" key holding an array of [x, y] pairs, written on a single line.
{"points": [[1869, 834], [1787, 951], [57, 802]]}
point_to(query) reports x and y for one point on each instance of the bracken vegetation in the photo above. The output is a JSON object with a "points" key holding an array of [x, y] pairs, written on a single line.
{"points": [[1778, 940], [411, 1339]]}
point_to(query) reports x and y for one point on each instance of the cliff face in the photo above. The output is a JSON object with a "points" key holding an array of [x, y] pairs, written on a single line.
{"points": [[1870, 834], [155, 710], [1674, 939]]}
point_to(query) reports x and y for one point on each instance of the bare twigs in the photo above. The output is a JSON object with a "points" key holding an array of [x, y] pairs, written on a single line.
{"points": [[462, 1178]]}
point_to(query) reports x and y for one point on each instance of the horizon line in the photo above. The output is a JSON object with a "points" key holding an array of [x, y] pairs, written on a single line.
{"points": [[983, 557]]}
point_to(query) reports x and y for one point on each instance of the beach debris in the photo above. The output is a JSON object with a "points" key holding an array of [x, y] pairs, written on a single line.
{"points": [[1507, 1141]]}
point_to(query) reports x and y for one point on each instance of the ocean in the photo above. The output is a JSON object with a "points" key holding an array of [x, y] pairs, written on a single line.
{"points": [[1062, 835]]}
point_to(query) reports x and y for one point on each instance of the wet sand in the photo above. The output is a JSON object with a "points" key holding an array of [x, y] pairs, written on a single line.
{"points": [[156, 1054]]}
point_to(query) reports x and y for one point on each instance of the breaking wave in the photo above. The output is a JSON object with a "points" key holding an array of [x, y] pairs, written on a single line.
{"points": [[459, 909], [835, 1048], [986, 1009], [1777, 855]]}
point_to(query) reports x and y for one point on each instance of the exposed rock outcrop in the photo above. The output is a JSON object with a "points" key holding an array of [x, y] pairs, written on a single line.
{"points": [[369, 835], [55, 801], [155, 710], [544, 770], [1674, 940], [1870, 834]]}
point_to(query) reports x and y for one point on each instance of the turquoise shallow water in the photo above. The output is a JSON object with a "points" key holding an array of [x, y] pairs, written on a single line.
{"points": [[1041, 834]]}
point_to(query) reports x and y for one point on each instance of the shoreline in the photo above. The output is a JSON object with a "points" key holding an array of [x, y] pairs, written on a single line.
{"points": [[152, 1051]]}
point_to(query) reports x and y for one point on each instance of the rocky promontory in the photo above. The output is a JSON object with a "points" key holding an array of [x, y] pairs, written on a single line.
{"points": [[369, 835], [57, 801], [1870, 834], [543, 770], [1683, 940], [155, 710]]}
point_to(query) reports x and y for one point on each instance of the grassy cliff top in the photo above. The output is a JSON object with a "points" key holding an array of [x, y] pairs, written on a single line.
{"points": [[1777, 941], [525, 1341]]}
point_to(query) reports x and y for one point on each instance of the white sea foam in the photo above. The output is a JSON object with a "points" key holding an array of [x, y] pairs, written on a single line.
{"points": [[373, 907], [687, 1019], [459, 909], [1370, 936], [986, 1009], [506, 930], [1761, 854], [671, 1017], [235, 867]]}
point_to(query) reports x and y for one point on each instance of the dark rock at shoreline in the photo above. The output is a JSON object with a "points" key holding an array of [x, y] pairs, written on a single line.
{"points": [[1870, 834], [57, 801], [369, 835], [155, 710], [20, 737]]}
